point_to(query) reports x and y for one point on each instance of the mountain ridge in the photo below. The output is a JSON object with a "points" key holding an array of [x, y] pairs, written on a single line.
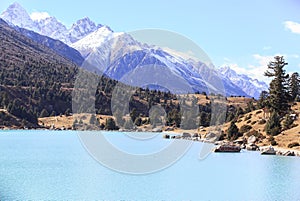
{"points": [[16, 15], [252, 87], [116, 59]]}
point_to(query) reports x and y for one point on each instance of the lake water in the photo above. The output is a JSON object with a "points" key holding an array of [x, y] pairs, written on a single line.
{"points": [[52, 165]]}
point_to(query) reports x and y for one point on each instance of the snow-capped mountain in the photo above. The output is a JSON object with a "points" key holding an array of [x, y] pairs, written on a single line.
{"points": [[57, 46], [82, 28], [16, 15], [118, 55], [250, 86], [121, 57], [51, 27]]}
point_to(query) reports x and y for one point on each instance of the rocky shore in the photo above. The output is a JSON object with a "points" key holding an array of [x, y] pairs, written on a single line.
{"points": [[249, 145], [171, 133]]}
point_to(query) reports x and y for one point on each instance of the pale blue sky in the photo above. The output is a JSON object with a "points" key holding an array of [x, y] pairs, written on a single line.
{"points": [[242, 34]]}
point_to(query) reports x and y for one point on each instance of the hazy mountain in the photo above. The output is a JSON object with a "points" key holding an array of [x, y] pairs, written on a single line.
{"points": [[250, 86]]}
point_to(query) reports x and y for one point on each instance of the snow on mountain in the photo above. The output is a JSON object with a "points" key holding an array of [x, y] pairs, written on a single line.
{"points": [[95, 39], [46, 25], [82, 28], [51, 27], [117, 54], [15, 14], [250, 86]]}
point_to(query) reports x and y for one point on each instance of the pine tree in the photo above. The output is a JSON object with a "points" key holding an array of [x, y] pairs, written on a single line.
{"points": [[110, 124], [44, 113], [233, 131], [263, 100], [273, 126], [288, 122], [294, 86], [278, 86], [68, 112], [93, 119]]}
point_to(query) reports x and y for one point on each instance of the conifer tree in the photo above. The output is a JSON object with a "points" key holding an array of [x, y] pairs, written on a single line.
{"points": [[44, 113], [233, 131], [294, 86], [273, 126], [278, 86], [263, 100], [93, 119]]}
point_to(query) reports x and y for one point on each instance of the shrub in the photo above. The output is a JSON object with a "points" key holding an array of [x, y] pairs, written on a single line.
{"points": [[262, 121], [253, 122], [245, 128], [293, 144], [232, 132], [253, 132], [256, 134], [110, 124], [258, 112], [274, 143], [246, 118], [248, 122]]}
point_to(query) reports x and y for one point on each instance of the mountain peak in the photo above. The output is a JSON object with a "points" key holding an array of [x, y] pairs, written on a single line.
{"points": [[85, 22], [15, 5], [43, 23], [15, 14], [250, 86], [229, 72], [82, 28]]}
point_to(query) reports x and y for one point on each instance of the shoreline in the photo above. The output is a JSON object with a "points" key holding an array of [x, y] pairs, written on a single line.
{"points": [[178, 135]]}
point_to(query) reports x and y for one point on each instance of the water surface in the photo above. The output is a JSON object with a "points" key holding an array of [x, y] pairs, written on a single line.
{"points": [[53, 165]]}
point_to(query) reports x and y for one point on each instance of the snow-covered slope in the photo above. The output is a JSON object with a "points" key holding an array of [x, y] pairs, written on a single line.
{"points": [[15, 14], [82, 28], [252, 87], [118, 54], [51, 27]]}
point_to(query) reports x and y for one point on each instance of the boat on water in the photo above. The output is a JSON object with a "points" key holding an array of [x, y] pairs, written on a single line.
{"points": [[227, 148], [268, 151]]}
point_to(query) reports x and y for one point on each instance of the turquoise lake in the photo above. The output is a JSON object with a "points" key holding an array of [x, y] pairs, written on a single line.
{"points": [[54, 165]]}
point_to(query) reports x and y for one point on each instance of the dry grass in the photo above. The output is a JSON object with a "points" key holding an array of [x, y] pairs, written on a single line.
{"points": [[253, 118], [67, 121]]}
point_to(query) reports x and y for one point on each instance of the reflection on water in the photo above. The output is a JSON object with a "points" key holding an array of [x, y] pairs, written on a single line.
{"points": [[41, 165]]}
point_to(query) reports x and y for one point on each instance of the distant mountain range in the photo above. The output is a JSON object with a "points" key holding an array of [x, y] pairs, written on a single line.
{"points": [[118, 54], [252, 87]]}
